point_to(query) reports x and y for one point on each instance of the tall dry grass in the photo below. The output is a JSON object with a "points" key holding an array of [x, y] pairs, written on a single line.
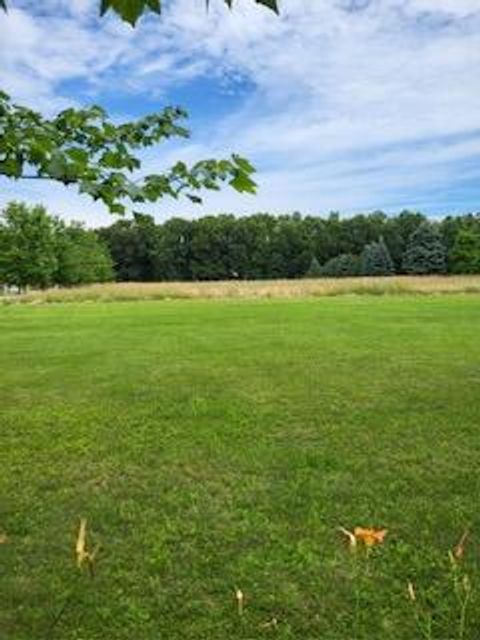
{"points": [[253, 289]]}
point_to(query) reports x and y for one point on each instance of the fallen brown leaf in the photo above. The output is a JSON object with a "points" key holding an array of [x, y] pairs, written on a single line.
{"points": [[370, 537]]}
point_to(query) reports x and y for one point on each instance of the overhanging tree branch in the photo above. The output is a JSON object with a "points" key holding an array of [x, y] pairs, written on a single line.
{"points": [[84, 147]]}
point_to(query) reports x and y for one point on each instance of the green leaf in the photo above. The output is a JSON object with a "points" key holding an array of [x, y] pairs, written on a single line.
{"points": [[130, 10], [11, 167], [271, 4], [112, 160], [243, 184], [79, 156], [117, 208], [57, 167], [243, 164]]}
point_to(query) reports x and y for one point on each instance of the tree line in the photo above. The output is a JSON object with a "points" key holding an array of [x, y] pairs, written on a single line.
{"points": [[265, 246], [40, 250]]}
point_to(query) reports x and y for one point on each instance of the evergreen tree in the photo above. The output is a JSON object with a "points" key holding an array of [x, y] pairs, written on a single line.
{"points": [[465, 254], [376, 259], [396, 232], [314, 270], [342, 266], [425, 252]]}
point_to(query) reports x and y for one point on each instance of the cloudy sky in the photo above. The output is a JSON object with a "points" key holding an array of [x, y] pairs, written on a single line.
{"points": [[348, 105]]}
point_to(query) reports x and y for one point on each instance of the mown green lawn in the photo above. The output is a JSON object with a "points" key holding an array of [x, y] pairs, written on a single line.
{"points": [[220, 445]]}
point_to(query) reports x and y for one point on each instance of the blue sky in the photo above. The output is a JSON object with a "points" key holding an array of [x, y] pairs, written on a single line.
{"points": [[349, 105]]}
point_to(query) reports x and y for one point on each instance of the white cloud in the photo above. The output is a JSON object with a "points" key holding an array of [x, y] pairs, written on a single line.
{"points": [[460, 8], [347, 108]]}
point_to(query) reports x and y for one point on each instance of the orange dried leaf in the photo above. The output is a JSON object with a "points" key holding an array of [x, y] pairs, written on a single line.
{"points": [[3, 538], [370, 537]]}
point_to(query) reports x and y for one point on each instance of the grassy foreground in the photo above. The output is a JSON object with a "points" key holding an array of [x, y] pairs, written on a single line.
{"points": [[253, 289], [219, 446]]}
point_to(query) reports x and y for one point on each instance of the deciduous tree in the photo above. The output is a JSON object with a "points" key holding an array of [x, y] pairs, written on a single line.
{"points": [[465, 254], [82, 257], [28, 253], [135, 248]]}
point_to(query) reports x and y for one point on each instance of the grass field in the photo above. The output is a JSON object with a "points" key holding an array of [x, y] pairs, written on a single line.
{"points": [[216, 446]]}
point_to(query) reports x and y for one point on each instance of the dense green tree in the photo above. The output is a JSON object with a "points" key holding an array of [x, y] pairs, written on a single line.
{"points": [[259, 232], [28, 251], [315, 269], [213, 255], [82, 257], [464, 256], [376, 259], [425, 252], [336, 243], [361, 230], [172, 261], [396, 231], [243, 243], [39, 250], [451, 226], [342, 266], [320, 240], [134, 248], [290, 251]]}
